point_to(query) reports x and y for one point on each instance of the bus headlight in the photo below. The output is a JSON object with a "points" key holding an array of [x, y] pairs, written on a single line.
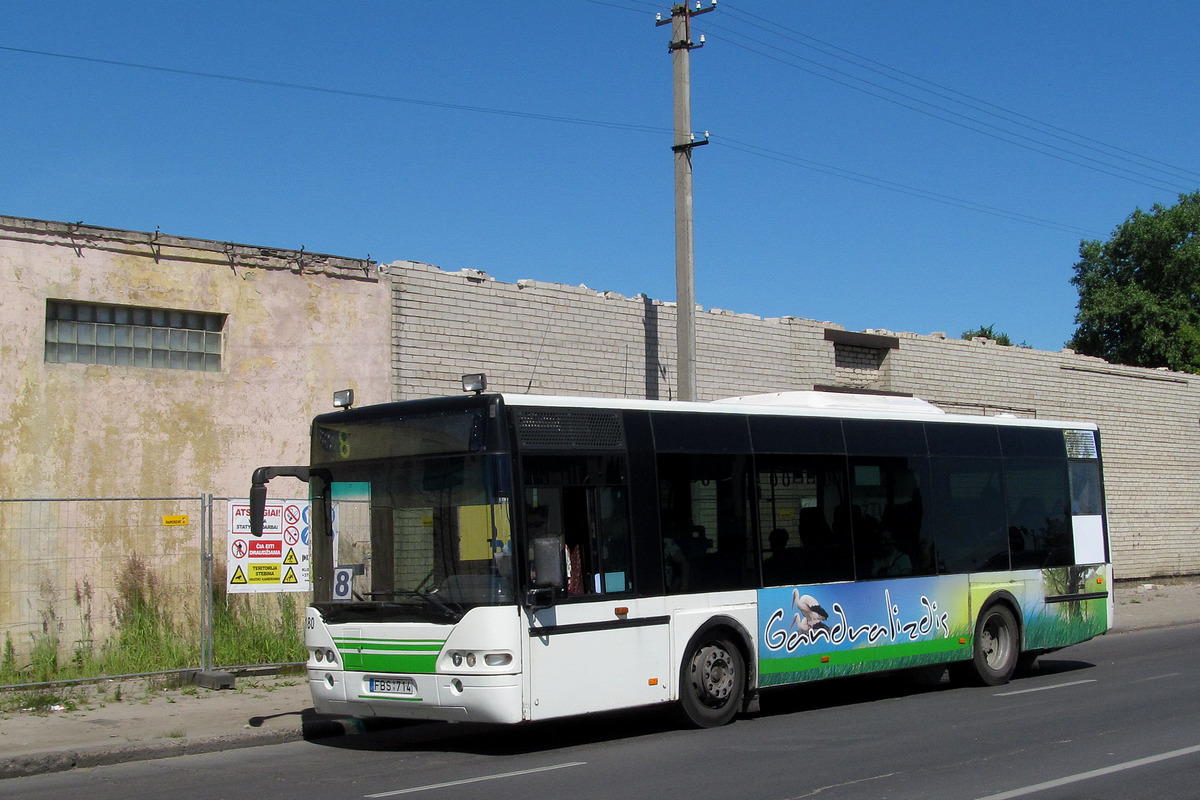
{"points": [[457, 659], [469, 659]]}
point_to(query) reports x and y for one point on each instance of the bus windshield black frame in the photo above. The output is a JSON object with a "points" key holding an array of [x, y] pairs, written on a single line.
{"points": [[412, 508]]}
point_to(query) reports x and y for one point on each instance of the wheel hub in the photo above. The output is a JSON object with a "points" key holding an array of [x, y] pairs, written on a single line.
{"points": [[712, 675]]}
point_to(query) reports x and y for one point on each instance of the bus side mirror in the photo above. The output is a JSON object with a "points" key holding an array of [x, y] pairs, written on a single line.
{"points": [[258, 491], [258, 506], [547, 572]]}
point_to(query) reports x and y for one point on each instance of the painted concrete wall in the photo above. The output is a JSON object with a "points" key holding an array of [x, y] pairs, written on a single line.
{"points": [[299, 326]]}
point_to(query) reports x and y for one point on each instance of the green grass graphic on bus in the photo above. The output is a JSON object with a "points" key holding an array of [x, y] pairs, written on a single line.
{"points": [[1066, 621], [813, 632]]}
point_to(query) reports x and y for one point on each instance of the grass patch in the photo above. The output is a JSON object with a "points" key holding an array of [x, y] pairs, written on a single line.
{"points": [[37, 702], [148, 635], [253, 629]]}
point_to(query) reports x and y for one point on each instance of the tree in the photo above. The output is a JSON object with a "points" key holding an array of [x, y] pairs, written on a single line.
{"points": [[1139, 292], [988, 332]]}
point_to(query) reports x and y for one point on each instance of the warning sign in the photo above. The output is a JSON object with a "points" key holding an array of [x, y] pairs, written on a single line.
{"points": [[277, 561], [264, 573]]}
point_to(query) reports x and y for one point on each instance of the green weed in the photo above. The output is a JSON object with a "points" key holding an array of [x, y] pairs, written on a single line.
{"points": [[149, 636]]}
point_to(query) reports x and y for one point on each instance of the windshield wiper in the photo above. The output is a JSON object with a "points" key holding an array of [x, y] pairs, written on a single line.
{"points": [[431, 597]]}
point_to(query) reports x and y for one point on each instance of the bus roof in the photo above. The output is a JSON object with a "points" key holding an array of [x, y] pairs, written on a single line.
{"points": [[801, 404]]}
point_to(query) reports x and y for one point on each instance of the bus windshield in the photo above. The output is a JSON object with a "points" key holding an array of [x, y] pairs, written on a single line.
{"points": [[417, 533]]}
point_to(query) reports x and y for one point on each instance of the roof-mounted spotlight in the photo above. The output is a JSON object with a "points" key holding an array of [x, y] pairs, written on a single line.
{"points": [[475, 382], [343, 399]]}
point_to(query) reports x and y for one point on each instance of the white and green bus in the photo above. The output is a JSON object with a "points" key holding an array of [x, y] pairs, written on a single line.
{"points": [[507, 558]]}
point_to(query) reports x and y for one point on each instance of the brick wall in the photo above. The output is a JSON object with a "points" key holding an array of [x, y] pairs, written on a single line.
{"points": [[552, 339]]}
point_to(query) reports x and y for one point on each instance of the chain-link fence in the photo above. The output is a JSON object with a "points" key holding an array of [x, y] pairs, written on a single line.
{"points": [[108, 587]]}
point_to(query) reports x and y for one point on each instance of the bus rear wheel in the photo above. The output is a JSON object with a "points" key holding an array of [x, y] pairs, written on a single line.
{"points": [[712, 682], [996, 650]]}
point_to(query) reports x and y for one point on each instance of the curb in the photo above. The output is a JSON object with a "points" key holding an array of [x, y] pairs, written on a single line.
{"points": [[60, 761]]}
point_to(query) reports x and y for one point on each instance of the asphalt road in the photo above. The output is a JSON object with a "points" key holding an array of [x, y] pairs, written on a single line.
{"points": [[1118, 717]]}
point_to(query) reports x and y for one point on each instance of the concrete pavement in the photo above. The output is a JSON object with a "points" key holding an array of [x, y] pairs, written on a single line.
{"points": [[114, 722]]}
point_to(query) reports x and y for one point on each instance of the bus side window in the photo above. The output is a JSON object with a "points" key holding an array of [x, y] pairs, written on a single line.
{"points": [[1039, 503], [891, 533], [705, 512], [800, 502], [566, 498]]}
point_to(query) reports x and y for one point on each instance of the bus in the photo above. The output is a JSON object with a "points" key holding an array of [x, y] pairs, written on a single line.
{"points": [[509, 558]]}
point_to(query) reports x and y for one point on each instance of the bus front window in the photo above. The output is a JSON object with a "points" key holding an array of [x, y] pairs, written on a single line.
{"points": [[424, 536]]}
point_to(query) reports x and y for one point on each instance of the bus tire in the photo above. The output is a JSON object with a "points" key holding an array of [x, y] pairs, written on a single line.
{"points": [[996, 650], [712, 681]]}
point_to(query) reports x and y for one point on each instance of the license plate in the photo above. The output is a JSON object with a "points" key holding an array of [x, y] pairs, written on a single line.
{"points": [[393, 685]]}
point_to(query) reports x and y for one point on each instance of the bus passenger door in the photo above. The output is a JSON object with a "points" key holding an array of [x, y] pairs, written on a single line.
{"points": [[597, 647]]}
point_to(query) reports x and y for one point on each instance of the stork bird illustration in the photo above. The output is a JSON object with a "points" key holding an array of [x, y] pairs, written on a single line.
{"points": [[809, 615]]}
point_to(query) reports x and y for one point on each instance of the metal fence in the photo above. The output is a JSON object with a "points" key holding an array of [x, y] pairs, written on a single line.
{"points": [[113, 587]]}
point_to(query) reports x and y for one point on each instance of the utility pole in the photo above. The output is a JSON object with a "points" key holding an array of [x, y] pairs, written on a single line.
{"points": [[685, 267]]}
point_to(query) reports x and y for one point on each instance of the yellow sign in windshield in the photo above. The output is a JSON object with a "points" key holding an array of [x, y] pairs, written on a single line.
{"points": [[483, 531]]}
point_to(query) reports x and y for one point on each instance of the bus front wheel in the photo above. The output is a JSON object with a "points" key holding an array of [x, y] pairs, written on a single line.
{"points": [[712, 682], [996, 650]]}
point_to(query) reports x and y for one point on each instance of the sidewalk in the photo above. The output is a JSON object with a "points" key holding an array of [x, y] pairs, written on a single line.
{"points": [[114, 722]]}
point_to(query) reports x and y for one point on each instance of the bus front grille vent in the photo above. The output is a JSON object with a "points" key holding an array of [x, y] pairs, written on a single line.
{"points": [[569, 429]]}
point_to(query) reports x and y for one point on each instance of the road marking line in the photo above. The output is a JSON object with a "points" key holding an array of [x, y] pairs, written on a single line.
{"points": [[1158, 677], [478, 780], [1095, 773], [1045, 688]]}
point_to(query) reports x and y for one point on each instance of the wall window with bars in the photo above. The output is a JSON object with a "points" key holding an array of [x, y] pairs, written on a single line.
{"points": [[133, 336]]}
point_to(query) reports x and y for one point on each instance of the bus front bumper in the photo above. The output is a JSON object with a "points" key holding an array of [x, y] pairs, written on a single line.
{"points": [[450, 698]]}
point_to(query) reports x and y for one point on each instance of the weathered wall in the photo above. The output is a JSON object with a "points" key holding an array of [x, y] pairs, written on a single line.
{"points": [[553, 339], [299, 327]]}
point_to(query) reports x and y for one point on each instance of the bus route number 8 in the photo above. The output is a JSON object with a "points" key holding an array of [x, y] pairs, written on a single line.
{"points": [[341, 582]]}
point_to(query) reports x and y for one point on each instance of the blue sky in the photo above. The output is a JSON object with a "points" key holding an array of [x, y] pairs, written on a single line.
{"points": [[910, 166]]}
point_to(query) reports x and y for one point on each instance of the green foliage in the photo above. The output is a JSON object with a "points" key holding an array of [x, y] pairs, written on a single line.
{"points": [[244, 632], [39, 702], [1139, 292], [148, 636], [146, 639], [988, 332], [8, 662]]}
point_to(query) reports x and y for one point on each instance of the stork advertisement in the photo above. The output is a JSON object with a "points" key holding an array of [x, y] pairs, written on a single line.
{"points": [[806, 633], [836, 629]]}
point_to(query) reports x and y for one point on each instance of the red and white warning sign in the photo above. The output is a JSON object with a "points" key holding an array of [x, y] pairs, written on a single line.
{"points": [[277, 561]]}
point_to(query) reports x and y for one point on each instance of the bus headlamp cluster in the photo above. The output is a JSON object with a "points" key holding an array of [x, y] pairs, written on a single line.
{"points": [[458, 658], [324, 655]]}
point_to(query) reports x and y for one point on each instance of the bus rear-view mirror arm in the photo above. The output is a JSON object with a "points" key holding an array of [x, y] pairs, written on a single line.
{"points": [[258, 491]]}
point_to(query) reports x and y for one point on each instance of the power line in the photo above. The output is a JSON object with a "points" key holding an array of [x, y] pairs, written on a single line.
{"points": [[981, 105], [892, 186], [746, 148], [598, 123], [932, 109]]}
